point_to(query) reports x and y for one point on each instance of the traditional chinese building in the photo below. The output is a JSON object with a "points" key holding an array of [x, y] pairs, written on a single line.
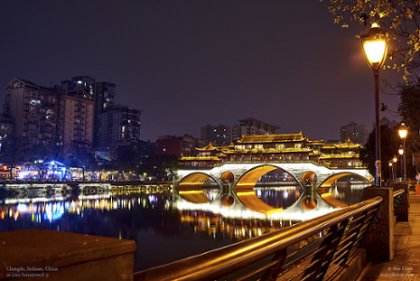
{"points": [[276, 148]]}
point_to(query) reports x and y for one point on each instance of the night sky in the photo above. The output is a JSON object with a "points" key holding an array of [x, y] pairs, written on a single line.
{"points": [[191, 63]]}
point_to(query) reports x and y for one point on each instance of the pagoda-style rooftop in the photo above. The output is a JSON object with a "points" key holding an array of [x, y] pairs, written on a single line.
{"points": [[209, 147], [278, 147], [272, 138], [348, 145]]}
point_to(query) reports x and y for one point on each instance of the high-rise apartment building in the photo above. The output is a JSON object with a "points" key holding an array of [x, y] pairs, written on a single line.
{"points": [[104, 100], [219, 135], [251, 126], [35, 111], [354, 132], [77, 119], [78, 113], [118, 125], [7, 126], [82, 82], [102, 93]]}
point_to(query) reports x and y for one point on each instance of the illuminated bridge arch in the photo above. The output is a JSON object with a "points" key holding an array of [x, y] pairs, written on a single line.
{"points": [[245, 192], [324, 187], [191, 187]]}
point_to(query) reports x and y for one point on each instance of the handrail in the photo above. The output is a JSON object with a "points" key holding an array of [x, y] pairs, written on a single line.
{"points": [[398, 192], [219, 262], [397, 196]]}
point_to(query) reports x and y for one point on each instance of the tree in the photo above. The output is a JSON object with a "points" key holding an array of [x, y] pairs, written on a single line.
{"points": [[80, 156], [161, 167], [9, 152], [401, 19], [132, 156], [389, 147], [409, 106], [409, 111]]}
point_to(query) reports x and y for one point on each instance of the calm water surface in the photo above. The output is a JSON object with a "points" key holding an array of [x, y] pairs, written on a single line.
{"points": [[162, 233]]}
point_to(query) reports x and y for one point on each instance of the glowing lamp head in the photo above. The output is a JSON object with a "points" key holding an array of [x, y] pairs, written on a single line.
{"points": [[375, 47], [400, 151], [395, 159], [403, 131], [390, 163]]}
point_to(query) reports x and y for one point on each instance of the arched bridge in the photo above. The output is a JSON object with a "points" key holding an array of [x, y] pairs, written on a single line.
{"points": [[237, 182]]}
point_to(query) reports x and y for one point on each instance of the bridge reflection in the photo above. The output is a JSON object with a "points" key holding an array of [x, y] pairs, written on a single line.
{"points": [[237, 189], [234, 228], [280, 202]]}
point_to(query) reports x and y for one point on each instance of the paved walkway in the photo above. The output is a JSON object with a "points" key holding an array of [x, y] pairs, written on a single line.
{"points": [[406, 262]]}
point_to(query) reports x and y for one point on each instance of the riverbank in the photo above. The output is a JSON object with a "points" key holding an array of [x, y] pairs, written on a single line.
{"points": [[406, 262]]}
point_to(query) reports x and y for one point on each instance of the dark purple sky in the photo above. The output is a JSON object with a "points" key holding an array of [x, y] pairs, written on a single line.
{"points": [[191, 63]]}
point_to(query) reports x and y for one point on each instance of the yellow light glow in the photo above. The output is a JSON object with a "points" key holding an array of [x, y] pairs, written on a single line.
{"points": [[190, 191], [400, 151], [395, 159], [375, 50], [403, 131], [245, 193], [273, 211]]}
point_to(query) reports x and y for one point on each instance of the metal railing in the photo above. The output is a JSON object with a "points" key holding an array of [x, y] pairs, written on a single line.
{"points": [[398, 195], [309, 250]]}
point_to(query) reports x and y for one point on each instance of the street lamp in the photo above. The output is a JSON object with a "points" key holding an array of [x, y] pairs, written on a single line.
{"points": [[391, 168], [395, 160], [403, 132], [375, 47], [401, 152]]}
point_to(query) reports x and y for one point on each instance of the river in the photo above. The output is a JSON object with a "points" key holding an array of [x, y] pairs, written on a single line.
{"points": [[162, 232]]}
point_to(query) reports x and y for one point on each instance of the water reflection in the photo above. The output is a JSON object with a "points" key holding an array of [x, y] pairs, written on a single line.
{"points": [[147, 214], [278, 189], [140, 213], [347, 190], [238, 229], [279, 197]]}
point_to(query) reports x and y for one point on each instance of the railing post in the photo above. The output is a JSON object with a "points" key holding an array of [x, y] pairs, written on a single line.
{"points": [[379, 240], [404, 204], [271, 274], [322, 259]]}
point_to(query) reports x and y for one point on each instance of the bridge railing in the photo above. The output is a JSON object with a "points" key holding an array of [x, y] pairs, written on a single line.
{"points": [[398, 196], [264, 161], [310, 250]]}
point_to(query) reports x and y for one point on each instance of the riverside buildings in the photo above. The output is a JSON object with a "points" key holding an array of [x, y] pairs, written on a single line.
{"points": [[219, 135], [35, 110], [118, 125], [178, 146], [251, 126], [68, 115], [77, 118]]}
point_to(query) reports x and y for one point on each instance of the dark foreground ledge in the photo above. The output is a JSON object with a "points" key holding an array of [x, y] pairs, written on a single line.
{"points": [[37, 254]]}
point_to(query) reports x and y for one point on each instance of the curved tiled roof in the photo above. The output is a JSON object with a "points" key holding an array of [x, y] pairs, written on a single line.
{"points": [[272, 138]]}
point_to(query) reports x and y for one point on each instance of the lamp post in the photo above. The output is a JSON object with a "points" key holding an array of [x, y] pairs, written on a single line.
{"points": [[403, 132], [374, 45], [394, 171], [391, 170], [401, 152]]}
